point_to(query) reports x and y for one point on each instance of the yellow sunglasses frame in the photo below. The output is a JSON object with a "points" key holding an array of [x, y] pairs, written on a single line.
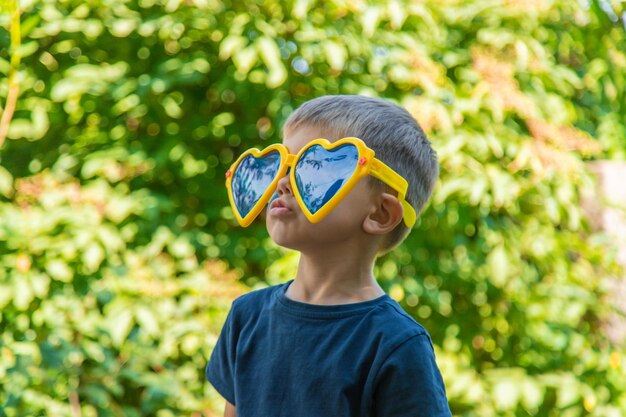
{"points": [[367, 164]]}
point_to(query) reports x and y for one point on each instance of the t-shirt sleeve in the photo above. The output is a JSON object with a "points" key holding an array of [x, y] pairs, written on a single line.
{"points": [[221, 366], [409, 382]]}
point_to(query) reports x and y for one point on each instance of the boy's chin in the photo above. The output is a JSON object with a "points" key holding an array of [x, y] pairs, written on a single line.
{"points": [[305, 237], [287, 237], [283, 239], [307, 243]]}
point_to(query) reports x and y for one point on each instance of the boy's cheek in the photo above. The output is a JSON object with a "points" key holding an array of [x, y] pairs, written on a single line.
{"points": [[267, 206]]}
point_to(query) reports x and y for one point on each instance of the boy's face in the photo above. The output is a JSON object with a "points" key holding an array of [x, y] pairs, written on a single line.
{"points": [[291, 229]]}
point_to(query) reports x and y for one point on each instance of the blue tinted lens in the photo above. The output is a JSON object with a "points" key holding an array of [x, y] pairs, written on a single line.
{"points": [[320, 173], [251, 179]]}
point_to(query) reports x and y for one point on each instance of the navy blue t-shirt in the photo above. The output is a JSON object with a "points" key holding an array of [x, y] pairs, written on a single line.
{"points": [[279, 357]]}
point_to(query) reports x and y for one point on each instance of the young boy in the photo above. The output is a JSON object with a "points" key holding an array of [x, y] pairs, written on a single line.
{"points": [[331, 342]]}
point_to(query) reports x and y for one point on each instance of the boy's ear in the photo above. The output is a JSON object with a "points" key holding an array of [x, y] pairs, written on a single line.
{"points": [[385, 217]]}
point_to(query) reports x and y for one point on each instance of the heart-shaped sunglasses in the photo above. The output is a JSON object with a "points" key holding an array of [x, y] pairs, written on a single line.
{"points": [[321, 175]]}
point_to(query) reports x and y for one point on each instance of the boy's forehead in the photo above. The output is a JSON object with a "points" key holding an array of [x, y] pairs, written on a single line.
{"points": [[295, 139]]}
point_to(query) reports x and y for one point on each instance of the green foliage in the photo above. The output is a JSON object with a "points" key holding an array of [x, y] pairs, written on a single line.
{"points": [[93, 321], [130, 113]]}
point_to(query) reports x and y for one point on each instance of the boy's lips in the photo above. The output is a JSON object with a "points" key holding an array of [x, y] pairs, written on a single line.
{"points": [[280, 203]]}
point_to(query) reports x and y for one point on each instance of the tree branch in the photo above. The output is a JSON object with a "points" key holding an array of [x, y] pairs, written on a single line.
{"points": [[16, 39]]}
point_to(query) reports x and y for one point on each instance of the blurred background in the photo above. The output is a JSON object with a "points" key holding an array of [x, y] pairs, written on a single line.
{"points": [[120, 256]]}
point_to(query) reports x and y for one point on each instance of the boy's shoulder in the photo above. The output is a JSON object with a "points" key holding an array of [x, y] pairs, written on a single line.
{"points": [[395, 320]]}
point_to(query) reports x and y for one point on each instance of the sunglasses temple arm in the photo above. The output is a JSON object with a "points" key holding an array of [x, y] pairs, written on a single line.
{"points": [[384, 173]]}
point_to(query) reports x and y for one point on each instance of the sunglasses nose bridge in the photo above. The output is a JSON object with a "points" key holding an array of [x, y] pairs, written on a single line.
{"points": [[290, 160]]}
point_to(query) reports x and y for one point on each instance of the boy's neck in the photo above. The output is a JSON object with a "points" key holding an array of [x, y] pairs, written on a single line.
{"points": [[334, 279]]}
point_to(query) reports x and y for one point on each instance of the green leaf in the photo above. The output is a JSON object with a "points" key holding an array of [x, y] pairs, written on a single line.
{"points": [[498, 264], [269, 52], [147, 320], [335, 54], [370, 20], [6, 182], [93, 257], [245, 59], [23, 294], [40, 284], [300, 8], [532, 393], [6, 295], [59, 270], [120, 326], [506, 394]]}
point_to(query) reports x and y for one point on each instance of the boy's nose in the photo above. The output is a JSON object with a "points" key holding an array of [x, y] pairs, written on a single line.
{"points": [[283, 184]]}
